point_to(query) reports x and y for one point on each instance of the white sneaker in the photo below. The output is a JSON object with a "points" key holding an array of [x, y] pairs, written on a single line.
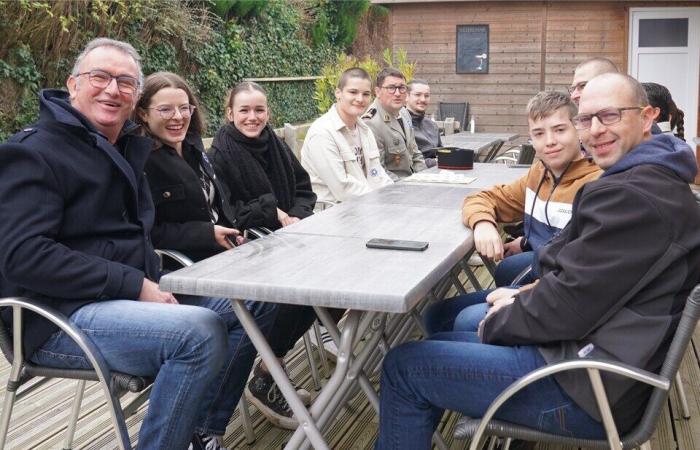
{"points": [[328, 343]]}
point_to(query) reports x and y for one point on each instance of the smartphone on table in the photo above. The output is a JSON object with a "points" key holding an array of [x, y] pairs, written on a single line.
{"points": [[397, 244]]}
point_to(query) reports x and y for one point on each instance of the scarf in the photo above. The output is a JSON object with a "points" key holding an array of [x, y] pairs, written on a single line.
{"points": [[263, 165]]}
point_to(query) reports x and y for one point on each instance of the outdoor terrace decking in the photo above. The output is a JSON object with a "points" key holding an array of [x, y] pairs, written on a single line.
{"points": [[39, 420]]}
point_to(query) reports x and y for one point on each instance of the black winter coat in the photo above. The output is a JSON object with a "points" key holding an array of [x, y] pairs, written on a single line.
{"points": [[182, 214], [76, 215], [615, 281]]}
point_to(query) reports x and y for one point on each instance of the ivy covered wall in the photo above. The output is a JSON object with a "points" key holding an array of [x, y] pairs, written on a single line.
{"points": [[212, 43]]}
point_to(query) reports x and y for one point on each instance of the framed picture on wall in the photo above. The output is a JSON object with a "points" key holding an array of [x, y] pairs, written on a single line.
{"points": [[472, 49]]}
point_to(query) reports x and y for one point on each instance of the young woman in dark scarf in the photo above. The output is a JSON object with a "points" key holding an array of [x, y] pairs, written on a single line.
{"points": [[268, 187]]}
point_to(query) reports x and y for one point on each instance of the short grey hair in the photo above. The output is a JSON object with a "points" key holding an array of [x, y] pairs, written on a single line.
{"points": [[122, 46]]}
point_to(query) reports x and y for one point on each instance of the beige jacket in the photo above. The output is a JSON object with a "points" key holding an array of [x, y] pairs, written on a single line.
{"points": [[398, 150], [335, 174]]}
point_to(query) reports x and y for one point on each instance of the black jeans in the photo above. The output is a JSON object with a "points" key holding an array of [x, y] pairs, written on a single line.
{"points": [[291, 323]]}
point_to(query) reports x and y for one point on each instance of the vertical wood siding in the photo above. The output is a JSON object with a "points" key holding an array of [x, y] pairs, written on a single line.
{"points": [[532, 45]]}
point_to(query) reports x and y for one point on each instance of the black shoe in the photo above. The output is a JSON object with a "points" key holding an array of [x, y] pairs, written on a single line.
{"points": [[262, 391]]}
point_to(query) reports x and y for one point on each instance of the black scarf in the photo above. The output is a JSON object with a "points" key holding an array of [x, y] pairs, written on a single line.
{"points": [[263, 164]]}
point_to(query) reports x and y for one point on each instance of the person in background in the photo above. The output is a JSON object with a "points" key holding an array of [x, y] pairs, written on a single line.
{"points": [[586, 71], [339, 152], [542, 198], [425, 129], [667, 117], [392, 127]]}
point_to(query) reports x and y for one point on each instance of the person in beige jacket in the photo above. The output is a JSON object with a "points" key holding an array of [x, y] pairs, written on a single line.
{"points": [[340, 152]]}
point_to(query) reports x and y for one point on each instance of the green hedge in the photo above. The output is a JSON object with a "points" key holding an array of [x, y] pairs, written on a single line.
{"points": [[41, 39]]}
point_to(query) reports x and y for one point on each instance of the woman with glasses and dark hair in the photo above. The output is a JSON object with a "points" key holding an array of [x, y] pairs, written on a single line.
{"points": [[192, 211], [193, 216]]}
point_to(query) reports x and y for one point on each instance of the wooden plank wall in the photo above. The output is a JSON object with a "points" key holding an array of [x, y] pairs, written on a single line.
{"points": [[533, 46]]}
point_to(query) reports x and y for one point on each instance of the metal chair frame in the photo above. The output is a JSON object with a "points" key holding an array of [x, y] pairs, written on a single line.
{"points": [[113, 384], [638, 436]]}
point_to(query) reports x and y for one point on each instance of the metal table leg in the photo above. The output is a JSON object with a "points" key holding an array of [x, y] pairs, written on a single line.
{"points": [[306, 423], [344, 351]]}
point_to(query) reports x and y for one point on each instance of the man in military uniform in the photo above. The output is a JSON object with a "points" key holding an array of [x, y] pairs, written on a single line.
{"points": [[392, 128]]}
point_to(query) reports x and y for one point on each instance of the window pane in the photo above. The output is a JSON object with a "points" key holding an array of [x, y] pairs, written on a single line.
{"points": [[663, 32]]}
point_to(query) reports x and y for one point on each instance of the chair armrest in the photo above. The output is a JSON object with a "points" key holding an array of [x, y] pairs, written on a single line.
{"points": [[550, 369], [326, 204], [91, 351], [257, 233], [505, 159], [176, 256], [519, 278]]}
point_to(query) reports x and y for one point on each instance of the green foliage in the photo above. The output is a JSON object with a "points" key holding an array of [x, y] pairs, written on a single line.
{"points": [[40, 39], [290, 101], [238, 8], [400, 61], [324, 92], [268, 46], [336, 21], [19, 81]]}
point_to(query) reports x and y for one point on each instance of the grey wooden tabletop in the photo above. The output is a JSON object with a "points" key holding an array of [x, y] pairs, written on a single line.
{"points": [[328, 271], [323, 260]]}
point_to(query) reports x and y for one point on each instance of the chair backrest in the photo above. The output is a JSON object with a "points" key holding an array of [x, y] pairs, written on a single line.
{"points": [[493, 151], [676, 351], [457, 110], [527, 154]]}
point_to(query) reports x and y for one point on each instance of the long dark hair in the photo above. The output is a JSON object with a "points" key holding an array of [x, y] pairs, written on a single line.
{"points": [[660, 97], [161, 80]]}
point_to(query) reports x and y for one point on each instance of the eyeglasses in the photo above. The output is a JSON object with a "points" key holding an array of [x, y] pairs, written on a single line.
{"points": [[577, 86], [392, 89], [101, 79], [607, 116], [168, 112]]}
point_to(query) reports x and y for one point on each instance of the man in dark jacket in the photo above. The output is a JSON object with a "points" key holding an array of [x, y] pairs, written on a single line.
{"points": [[426, 131], [613, 285], [76, 216]]}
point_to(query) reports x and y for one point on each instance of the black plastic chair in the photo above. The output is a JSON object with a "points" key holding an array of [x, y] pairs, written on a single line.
{"points": [[458, 111], [527, 154], [493, 150], [114, 384], [638, 437]]}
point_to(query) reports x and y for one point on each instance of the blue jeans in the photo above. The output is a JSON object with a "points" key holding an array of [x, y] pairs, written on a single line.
{"points": [[461, 313], [198, 350], [511, 267], [454, 371]]}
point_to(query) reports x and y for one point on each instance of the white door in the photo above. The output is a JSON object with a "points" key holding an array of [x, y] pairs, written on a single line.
{"points": [[665, 48]]}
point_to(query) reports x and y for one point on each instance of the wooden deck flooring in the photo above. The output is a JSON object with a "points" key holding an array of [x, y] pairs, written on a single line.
{"points": [[39, 420]]}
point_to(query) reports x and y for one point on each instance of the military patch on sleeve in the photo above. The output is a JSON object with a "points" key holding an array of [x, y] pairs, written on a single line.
{"points": [[370, 113]]}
